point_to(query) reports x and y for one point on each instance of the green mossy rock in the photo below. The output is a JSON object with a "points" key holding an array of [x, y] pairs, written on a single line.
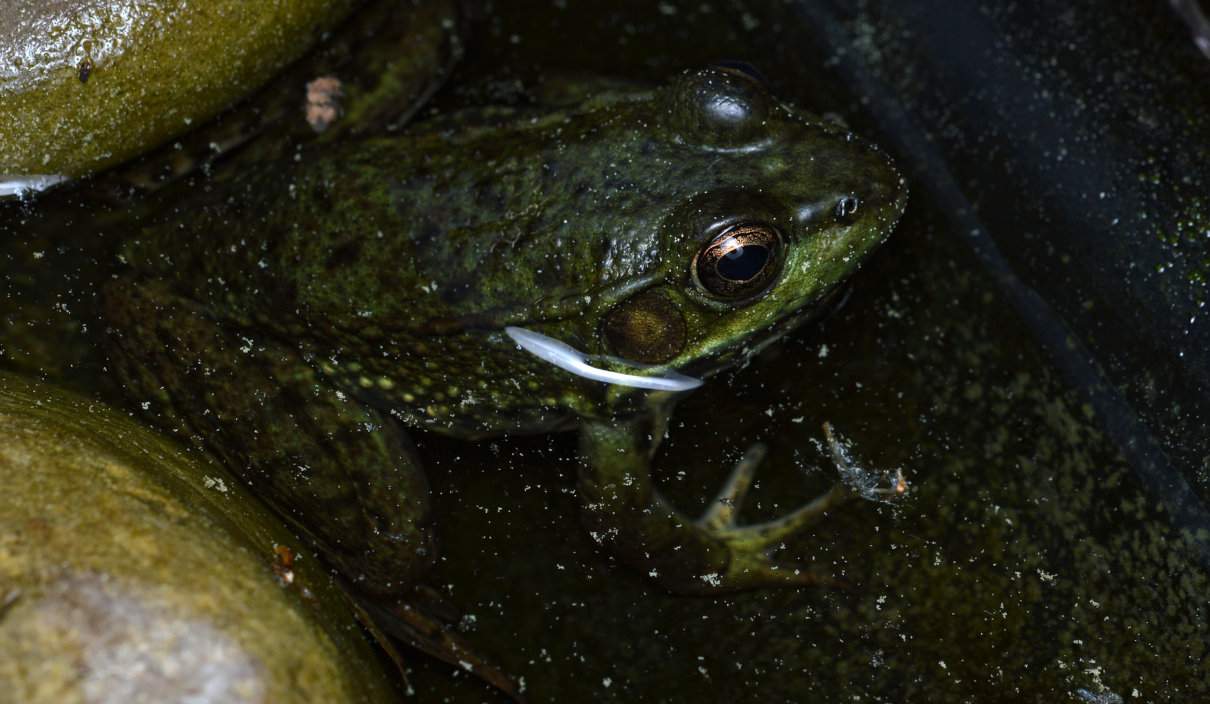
{"points": [[85, 84], [130, 571]]}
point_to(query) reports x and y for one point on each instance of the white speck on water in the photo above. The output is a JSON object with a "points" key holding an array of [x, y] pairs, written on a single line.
{"points": [[215, 483], [21, 186]]}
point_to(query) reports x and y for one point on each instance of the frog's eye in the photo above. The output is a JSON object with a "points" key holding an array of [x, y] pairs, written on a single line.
{"points": [[739, 263], [720, 106]]}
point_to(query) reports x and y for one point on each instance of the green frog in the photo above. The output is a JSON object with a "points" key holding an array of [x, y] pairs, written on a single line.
{"points": [[525, 271]]}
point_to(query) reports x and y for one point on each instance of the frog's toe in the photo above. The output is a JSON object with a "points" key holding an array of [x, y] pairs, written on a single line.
{"points": [[755, 569], [722, 511], [424, 620], [720, 518], [749, 546]]}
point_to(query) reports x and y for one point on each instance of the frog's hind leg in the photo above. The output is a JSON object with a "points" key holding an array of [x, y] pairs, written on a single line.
{"points": [[337, 469]]}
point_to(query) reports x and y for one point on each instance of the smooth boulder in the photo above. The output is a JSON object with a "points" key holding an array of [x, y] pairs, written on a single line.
{"points": [[133, 571]]}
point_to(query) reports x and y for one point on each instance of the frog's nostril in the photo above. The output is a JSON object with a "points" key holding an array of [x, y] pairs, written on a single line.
{"points": [[846, 208]]}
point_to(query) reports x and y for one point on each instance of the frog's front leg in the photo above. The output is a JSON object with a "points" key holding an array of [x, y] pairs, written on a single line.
{"points": [[340, 471], [712, 554]]}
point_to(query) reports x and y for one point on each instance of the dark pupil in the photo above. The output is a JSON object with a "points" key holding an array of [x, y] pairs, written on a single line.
{"points": [[742, 263]]}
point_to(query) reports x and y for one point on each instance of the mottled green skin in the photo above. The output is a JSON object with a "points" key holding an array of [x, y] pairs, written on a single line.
{"points": [[284, 318]]}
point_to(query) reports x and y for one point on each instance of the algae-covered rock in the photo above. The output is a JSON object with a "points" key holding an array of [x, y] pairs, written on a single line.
{"points": [[89, 83], [132, 572]]}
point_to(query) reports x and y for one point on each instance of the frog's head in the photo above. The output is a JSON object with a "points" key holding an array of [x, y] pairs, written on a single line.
{"points": [[777, 210]]}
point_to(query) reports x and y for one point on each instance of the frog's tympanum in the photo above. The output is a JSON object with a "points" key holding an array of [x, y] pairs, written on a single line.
{"points": [[572, 269]]}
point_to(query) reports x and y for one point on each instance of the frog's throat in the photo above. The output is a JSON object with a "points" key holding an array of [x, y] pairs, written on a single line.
{"points": [[568, 358]]}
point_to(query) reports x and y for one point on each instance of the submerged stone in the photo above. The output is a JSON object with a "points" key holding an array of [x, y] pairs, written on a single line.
{"points": [[130, 571]]}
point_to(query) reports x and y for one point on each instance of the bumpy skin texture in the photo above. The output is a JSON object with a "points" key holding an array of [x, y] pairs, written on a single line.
{"points": [[299, 317]]}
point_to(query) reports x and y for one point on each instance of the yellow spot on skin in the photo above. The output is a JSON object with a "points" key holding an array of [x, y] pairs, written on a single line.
{"points": [[364, 382], [408, 398], [353, 367], [453, 391], [548, 401], [327, 368], [386, 383], [438, 396]]}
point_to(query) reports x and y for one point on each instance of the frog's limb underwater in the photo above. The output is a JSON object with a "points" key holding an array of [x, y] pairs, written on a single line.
{"points": [[712, 554], [269, 417]]}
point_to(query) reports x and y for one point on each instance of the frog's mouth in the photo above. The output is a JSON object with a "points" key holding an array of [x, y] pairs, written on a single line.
{"points": [[739, 353], [568, 358]]}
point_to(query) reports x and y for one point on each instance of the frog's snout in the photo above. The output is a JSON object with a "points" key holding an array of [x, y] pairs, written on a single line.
{"points": [[648, 328]]}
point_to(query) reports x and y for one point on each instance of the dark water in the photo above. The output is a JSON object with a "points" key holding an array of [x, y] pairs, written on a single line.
{"points": [[1027, 563]]}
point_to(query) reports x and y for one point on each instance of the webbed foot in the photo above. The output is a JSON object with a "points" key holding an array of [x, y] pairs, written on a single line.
{"points": [[714, 553], [751, 546]]}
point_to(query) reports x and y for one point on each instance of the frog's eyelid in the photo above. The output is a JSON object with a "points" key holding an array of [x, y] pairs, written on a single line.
{"points": [[568, 358]]}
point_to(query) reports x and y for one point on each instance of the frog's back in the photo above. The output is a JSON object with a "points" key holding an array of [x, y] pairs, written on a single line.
{"points": [[432, 232]]}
